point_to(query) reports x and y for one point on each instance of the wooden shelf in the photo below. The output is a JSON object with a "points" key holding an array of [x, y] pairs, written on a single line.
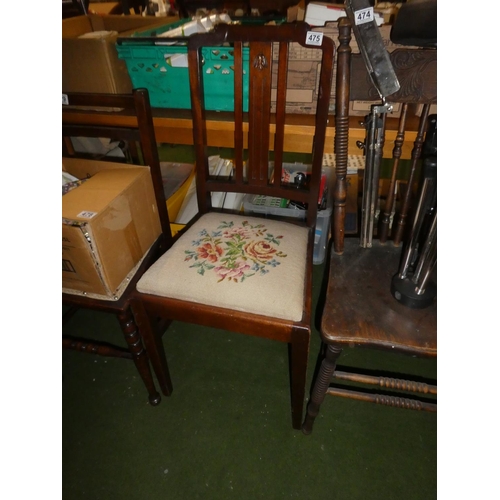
{"points": [[174, 126]]}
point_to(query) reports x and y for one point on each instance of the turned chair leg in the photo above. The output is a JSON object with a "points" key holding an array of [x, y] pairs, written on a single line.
{"points": [[154, 347], [140, 357], [321, 386], [298, 359]]}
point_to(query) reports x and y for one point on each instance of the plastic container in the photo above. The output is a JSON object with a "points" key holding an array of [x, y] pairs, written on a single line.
{"points": [[273, 206], [156, 62], [321, 235]]}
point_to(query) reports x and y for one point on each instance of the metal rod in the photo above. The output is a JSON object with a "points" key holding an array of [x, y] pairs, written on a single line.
{"points": [[418, 220], [427, 259], [365, 240]]}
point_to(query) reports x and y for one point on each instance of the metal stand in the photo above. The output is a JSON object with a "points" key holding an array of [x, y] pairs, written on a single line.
{"points": [[412, 285], [375, 126]]}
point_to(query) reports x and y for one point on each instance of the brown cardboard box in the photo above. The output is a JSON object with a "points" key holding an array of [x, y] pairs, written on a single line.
{"points": [[296, 12], [92, 64], [109, 223], [105, 8]]}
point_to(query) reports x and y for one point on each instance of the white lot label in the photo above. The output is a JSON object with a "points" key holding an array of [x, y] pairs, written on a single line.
{"points": [[363, 16], [65, 99], [313, 38], [86, 215]]}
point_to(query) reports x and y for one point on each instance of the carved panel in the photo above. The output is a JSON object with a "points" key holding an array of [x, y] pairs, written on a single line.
{"points": [[416, 71]]}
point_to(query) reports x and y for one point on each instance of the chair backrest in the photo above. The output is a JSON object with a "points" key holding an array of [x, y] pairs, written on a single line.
{"points": [[139, 129], [258, 63], [416, 70]]}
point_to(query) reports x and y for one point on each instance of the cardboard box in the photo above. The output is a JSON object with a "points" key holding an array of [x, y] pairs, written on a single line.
{"points": [[109, 223], [105, 8], [92, 64], [296, 12]]}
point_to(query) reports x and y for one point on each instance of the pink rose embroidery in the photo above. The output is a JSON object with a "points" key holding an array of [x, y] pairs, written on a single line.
{"points": [[232, 273], [240, 252]]}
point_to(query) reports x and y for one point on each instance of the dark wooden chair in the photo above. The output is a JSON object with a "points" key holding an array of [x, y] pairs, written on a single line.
{"points": [[245, 273], [359, 309], [140, 131]]}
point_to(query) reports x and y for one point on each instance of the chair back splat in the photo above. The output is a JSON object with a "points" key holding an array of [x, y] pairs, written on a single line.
{"points": [[265, 52], [246, 273]]}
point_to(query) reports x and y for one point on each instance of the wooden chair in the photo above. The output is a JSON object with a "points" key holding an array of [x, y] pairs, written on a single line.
{"points": [[359, 310], [139, 129], [245, 273]]}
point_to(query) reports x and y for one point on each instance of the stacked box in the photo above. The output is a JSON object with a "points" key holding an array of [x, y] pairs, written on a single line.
{"points": [[90, 62]]}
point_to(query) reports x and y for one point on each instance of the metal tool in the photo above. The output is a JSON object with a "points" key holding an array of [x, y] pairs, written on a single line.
{"points": [[412, 285], [371, 46]]}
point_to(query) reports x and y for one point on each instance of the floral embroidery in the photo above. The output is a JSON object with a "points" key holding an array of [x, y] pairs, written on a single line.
{"points": [[235, 253]]}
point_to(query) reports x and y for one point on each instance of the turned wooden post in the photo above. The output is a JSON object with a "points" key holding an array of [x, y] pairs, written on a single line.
{"points": [[341, 133], [383, 230], [141, 360], [321, 386], [415, 155]]}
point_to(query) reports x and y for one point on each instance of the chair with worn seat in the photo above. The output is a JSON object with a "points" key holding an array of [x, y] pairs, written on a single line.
{"points": [[361, 308], [139, 130], [244, 272]]}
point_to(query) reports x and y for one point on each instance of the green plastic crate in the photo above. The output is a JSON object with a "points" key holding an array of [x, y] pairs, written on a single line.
{"points": [[162, 69]]}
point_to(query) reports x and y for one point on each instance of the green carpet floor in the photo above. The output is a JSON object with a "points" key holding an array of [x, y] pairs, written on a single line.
{"points": [[226, 430]]}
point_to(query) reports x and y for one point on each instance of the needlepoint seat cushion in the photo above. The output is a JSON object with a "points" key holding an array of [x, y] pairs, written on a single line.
{"points": [[237, 262]]}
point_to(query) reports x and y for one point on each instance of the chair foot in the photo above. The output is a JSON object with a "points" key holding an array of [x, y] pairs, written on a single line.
{"points": [[307, 428], [154, 399]]}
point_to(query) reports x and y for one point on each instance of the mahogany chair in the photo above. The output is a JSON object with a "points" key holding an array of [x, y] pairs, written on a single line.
{"points": [[138, 130], [359, 309], [245, 273]]}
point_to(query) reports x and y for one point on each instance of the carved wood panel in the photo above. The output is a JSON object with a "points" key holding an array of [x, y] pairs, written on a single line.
{"points": [[416, 71]]}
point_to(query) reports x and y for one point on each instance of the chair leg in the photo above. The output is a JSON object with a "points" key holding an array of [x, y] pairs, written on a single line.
{"points": [[154, 346], [140, 357], [321, 386], [298, 359]]}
